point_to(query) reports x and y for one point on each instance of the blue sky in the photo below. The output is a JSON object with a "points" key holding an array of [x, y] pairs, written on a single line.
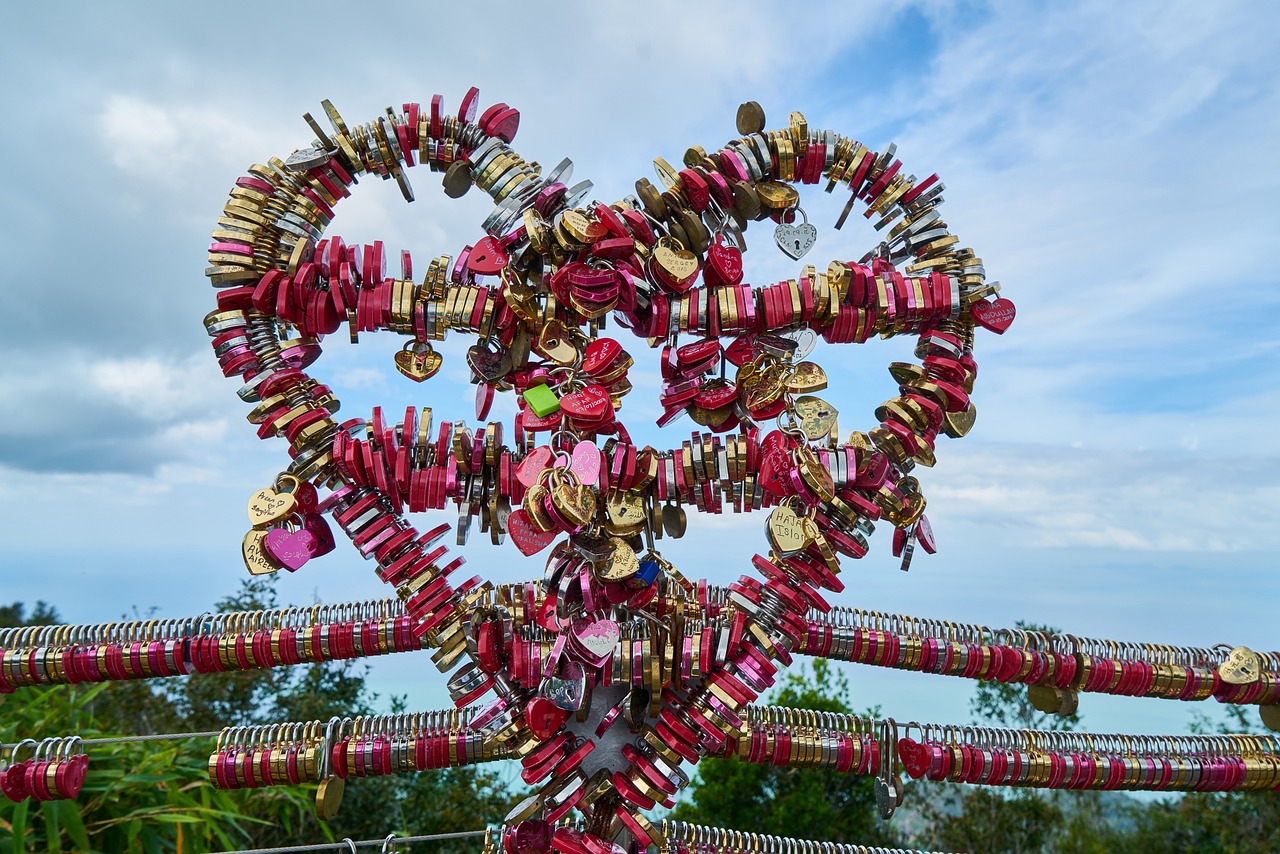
{"points": [[1113, 164]]}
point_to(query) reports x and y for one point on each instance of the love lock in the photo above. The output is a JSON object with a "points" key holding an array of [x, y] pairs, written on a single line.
{"points": [[796, 240]]}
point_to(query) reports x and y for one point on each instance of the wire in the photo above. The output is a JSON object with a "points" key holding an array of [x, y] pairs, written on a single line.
{"points": [[346, 844], [124, 739]]}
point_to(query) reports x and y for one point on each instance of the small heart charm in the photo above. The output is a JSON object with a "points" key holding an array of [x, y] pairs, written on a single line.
{"points": [[996, 316], [787, 532], [1241, 667], [795, 240], [591, 404], [487, 258], [266, 507], [534, 464], [915, 757], [289, 549], [597, 638], [528, 537], [417, 361]]}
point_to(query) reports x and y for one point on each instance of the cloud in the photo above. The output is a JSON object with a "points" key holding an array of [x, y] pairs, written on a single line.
{"points": [[127, 415], [1043, 497]]}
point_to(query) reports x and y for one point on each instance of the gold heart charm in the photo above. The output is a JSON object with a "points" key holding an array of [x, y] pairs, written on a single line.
{"points": [[817, 417], [625, 511], [674, 260], [787, 532], [418, 362], [621, 564], [958, 424], [806, 377], [266, 507], [1241, 667], [255, 559]]}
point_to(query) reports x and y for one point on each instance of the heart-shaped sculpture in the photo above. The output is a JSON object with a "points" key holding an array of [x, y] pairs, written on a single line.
{"points": [[534, 292]]}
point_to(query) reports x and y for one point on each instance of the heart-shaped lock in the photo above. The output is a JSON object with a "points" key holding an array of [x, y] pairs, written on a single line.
{"points": [[817, 417], [590, 405], [806, 377], [490, 362], [796, 240], [915, 757], [597, 638], [725, 263], [544, 717], [958, 424], [417, 361], [290, 549], [1241, 667], [996, 315], [323, 534], [255, 555], [487, 257], [268, 507], [677, 266], [533, 465], [527, 535], [584, 462], [787, 531], [566, 688]]}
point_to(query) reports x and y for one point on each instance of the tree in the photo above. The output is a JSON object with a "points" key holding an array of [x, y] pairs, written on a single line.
{"points": [[975, 818], [813, 803]]}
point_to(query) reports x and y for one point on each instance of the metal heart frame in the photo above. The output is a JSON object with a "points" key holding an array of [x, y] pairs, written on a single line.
{"points": [[611, 617]]}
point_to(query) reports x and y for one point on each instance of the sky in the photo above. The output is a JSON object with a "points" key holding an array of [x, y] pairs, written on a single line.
{"points": [[1108, 161]]}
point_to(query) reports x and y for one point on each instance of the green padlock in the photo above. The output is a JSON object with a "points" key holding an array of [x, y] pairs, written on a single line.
{"points": [[542, 400]]}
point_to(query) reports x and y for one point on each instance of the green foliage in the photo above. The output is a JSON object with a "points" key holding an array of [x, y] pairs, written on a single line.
{"points": [[808, 802], [156, 796], [137, 797]]}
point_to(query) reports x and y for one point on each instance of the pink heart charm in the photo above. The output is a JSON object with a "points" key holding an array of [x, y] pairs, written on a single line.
{"points": [[487, 258], [316, 525], [585, 463], [775, 463], [528, 537], [533, 465], [290, 549], [996, 316], [596, 639], [599, 354], [915, 757], [726, 262], [591, 404]]}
